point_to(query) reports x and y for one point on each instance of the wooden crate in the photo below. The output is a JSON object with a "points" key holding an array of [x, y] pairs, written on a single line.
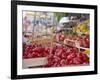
{"points": [[46, 41], [34, 62]]}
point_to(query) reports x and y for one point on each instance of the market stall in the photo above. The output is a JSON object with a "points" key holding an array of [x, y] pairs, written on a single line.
{"points": [[55, 41]]}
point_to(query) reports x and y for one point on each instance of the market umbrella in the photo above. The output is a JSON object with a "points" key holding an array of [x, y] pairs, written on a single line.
{"points": [[64, 20]]}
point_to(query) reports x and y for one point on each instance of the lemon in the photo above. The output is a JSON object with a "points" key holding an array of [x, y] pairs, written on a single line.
{"points": [[83, 28], [87, 52]]}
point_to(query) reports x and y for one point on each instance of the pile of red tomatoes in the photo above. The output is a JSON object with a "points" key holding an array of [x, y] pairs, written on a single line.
{"points": [[57, 56]]}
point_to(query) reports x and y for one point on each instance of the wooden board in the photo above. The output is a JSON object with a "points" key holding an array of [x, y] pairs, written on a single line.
{"points": [[33, 62]]}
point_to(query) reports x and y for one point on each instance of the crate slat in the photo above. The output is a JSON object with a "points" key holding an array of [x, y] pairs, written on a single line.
{"points": [[34, 62]]}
